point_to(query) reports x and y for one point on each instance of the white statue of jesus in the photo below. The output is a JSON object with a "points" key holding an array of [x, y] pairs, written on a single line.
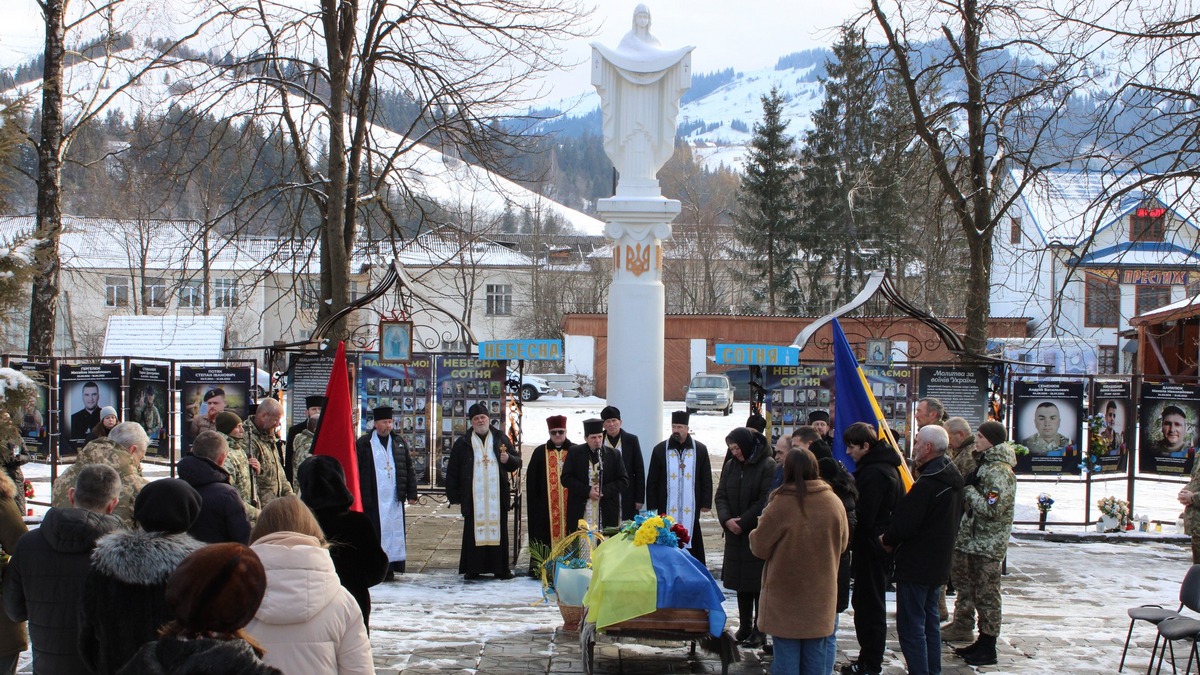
{"points": [[639, 84]]}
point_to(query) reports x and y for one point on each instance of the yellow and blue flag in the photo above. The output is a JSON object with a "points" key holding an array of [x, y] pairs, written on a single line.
{"points": [[855, 403]]}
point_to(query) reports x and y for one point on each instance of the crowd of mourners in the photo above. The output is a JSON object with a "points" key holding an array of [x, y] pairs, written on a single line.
{"points": [[254, 561]]}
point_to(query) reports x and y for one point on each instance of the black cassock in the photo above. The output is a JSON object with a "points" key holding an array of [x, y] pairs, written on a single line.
{"points": [[537, 496], [459, 480], [656, 486], [579, 486]]}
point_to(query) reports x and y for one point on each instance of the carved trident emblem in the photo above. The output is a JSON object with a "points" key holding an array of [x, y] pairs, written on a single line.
{"points": [[637, 260]]}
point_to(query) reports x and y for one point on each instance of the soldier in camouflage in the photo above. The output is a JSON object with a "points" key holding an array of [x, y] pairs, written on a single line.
{"points": [[123, 450], [1189, 497], [271, 481], [983, 541], [240, 467], [962, 455]]}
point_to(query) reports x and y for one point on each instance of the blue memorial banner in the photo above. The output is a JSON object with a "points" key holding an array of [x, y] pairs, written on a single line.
{"points": [[521, 350], [757, 355]]}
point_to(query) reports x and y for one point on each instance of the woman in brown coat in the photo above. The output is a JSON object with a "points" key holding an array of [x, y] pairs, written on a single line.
{"points": [[13, 639], [801, 534]]}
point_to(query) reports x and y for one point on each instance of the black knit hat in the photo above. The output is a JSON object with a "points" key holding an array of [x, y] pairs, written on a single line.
{"points": [[820, 449], [993, 431], [227, 421], [756, 422], [610, 412], [322, 484], [167, 505], [213, 393], [217, 589]]}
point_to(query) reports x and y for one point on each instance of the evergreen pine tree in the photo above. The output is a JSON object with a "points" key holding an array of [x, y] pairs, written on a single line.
{"points": [[843, 187], [765, 223]]}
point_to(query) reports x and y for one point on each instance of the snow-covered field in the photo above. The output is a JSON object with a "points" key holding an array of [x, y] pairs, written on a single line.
{"points": [[1154, 499]]}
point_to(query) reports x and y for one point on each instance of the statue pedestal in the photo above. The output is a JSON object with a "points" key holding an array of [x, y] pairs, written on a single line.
{"points": [[636, 305]]}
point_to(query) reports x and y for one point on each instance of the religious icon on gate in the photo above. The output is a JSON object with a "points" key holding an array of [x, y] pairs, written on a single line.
{"points": [[395, 341]]}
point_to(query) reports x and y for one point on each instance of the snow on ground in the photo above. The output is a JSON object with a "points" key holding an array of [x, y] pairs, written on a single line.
{"points": [[1155, 499]]}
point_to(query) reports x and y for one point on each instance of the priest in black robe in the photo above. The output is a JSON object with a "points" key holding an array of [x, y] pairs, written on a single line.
{"points": [[545, 494], [629, 449], [679, 482], [483, 495], [594, 476]]}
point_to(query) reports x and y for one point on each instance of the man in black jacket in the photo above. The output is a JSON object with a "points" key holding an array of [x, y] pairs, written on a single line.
{"points": [[222, 516], [877, 475], [629, 449], [386, 481], [44, 580], [924, 526]]}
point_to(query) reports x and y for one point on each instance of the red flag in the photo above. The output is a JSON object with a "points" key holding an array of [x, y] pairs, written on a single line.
{"points": [[335, 433]]}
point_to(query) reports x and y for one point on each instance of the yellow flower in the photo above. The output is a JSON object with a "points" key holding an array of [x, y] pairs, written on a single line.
{"points": [[645, 536]]}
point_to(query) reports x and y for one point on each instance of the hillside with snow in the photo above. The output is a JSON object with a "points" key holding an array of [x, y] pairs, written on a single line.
{"points": [[422, 171]]}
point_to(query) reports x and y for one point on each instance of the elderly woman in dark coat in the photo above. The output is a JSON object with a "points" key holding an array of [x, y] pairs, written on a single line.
{"points": [[358, 558], [744, 485], [129, 575]]}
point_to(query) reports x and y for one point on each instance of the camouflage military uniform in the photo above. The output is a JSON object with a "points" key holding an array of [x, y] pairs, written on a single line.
{"points": [[1191, 514], [964, 456], [148, 416], [1040, 448], [983, 540], [104, 451], [301, 450], [271, 481], [241, 476]]}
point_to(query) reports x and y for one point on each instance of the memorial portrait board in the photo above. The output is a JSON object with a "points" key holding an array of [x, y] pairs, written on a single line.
{"points": [[205, 391], [34, 420], [149, 391], [1169, 416], [1047, 419], [84, 390], [461, 382], [1110, 427], [405, 389]]}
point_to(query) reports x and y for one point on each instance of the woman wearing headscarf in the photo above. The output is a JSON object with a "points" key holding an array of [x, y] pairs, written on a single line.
{"points": [[211, 596], [801, 535], [358, 558], [745, 483], [307, 622]]}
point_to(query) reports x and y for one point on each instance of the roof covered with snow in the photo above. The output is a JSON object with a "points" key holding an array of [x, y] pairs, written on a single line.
{"points": [[179, 337], [1070, 205]]}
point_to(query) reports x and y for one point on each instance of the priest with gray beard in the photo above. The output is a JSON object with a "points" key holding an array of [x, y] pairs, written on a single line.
{"points": [[477, 478]]}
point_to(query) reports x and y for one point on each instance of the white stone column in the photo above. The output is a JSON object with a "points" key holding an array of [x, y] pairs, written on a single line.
{"points": [[640, 84]]}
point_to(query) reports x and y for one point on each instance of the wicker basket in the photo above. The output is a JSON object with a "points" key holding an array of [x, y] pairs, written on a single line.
{"points": [[572, 615]]}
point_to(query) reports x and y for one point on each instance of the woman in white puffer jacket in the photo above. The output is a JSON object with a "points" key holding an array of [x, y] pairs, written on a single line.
{"points": [[307, 623]]}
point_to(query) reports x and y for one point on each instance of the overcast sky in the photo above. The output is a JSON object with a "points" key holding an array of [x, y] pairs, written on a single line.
{"points": [[745, 36]]}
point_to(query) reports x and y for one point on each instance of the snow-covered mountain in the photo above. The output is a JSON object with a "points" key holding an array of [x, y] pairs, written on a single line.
{"points": [[425, 171]]}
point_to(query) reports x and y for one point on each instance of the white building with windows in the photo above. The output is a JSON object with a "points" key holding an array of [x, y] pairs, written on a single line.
{"points": [[1083, 252], [268, 289]]}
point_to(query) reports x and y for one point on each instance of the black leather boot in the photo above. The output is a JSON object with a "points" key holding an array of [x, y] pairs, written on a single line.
{"points": [[985, 655]]}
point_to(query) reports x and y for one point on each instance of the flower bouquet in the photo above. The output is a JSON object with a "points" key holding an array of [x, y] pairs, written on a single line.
{"points": [[1115, 514], [642, 571], [1044, 502]]}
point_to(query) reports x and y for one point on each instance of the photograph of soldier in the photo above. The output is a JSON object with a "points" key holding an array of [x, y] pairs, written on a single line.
{"points": [[1168, 441], [84, 392], [1047, 427], [1046, 439]]}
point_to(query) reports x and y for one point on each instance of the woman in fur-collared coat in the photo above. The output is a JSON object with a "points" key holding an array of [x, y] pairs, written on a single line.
{"points": [[124, 597]]}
